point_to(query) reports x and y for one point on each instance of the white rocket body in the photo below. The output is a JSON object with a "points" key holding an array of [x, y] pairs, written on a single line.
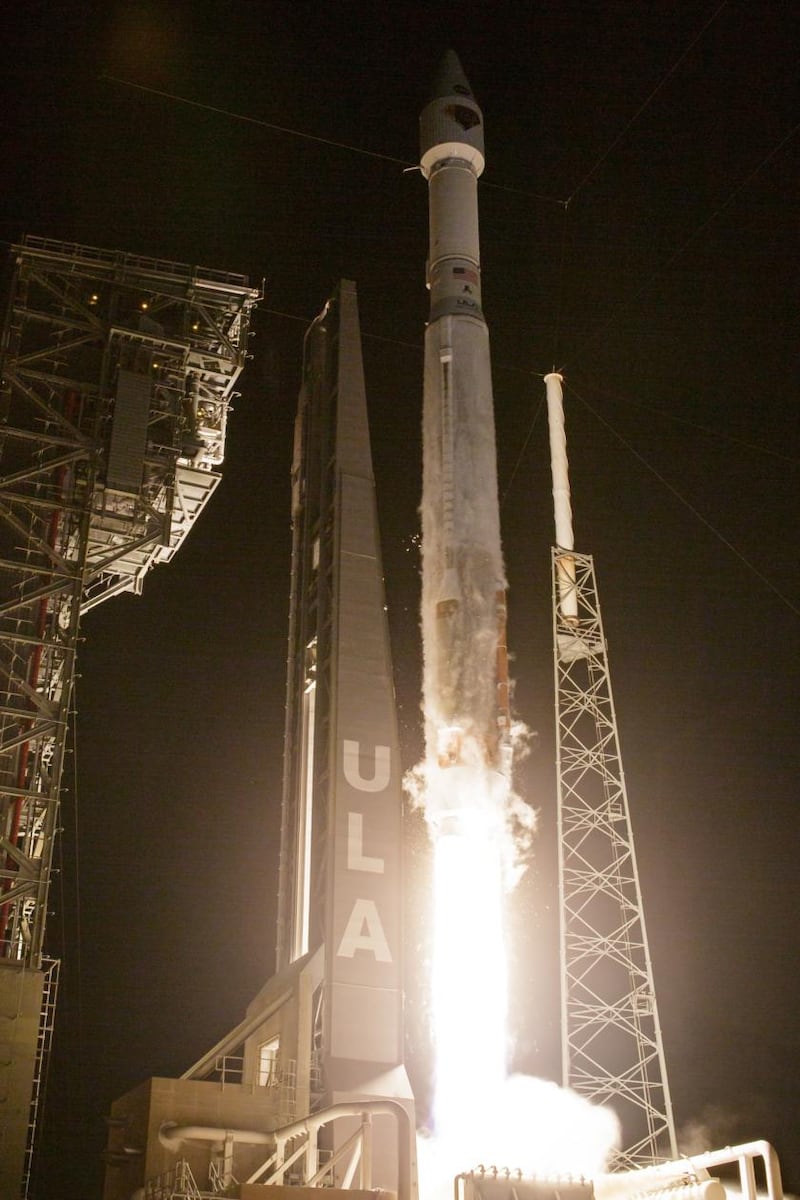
{"points": [[463, 580]]}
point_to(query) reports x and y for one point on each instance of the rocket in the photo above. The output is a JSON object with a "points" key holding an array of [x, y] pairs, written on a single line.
{"points": [[465, 686]]}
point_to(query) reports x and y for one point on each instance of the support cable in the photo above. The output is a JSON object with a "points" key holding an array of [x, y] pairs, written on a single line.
{"points": [[377, 337], [604, 326], [712, 433], [225, 112], [688, 504], [393, 341], [310, 137], [582, 183], [522, 451], [645, 104], [749, 387]]}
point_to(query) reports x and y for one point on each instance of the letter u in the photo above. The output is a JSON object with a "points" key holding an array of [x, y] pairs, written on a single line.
{"points": [[352, 769]]}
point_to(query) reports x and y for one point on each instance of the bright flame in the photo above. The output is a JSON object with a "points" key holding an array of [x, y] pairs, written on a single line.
{"points": [[533, 1125], [480, 1114], [469, 977]]}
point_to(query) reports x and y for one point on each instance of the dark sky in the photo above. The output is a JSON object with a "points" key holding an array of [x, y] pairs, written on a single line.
{"points": [[668, 292]]}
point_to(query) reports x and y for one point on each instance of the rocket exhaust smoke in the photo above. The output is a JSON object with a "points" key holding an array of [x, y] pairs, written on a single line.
{"points": [[475, 820]]}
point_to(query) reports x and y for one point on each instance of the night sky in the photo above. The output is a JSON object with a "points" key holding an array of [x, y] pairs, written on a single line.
{"points": [[667, 291]]}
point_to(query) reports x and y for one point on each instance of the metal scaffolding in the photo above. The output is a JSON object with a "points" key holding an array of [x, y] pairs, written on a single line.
{"points": [[612, 1051], [117, 375]]}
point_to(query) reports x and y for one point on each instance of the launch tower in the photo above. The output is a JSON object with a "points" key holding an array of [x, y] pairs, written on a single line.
{"points": [[612, 1052], [117, 376], [310, 1088], [341, 817]]}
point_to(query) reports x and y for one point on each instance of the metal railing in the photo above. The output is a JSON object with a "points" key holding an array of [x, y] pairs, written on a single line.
{"points": [[229, 1068], [177, 1183], [76, 253], [50, 972]]}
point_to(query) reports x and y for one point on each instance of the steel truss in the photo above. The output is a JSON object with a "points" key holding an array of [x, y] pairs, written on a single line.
{"points": [[117, 378], [612, 1050]]}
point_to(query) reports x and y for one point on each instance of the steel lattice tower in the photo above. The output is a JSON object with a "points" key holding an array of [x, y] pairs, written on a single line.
{"points": [[117, 374], [612, 1051]]}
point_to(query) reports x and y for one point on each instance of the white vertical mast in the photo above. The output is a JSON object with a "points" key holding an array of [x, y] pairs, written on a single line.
{"points": [[562, 506]]}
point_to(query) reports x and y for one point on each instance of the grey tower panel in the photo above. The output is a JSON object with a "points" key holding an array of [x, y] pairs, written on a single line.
{"points": [[349, 894], [129, 432]]}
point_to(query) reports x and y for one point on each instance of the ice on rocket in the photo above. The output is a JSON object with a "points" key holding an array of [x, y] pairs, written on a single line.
{"points": [[463, 579]]}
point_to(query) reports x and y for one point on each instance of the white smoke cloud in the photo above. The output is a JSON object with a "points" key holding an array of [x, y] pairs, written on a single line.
{"points": [[532, 1125], [476, 796]]}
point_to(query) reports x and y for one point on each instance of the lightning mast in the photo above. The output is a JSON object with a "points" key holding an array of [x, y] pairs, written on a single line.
{"points": [[612, 1051]]}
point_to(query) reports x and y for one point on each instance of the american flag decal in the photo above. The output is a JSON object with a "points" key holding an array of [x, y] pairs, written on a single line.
{"points": [[466, 273]]}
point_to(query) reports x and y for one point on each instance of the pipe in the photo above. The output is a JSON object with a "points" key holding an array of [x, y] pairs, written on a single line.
{"points": [[699, 1189], [170, 1135], [406, 1175], [742, 1156], [672, 1178]]}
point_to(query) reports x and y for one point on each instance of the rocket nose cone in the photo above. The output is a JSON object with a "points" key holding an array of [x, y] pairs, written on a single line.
{"points": [[450, 79], [451, 123]]}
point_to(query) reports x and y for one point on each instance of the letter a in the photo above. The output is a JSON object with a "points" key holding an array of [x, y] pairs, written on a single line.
{"points": [[364, 932]]}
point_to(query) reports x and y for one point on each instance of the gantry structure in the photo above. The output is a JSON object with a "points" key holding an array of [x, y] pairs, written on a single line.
{"points": [[309, 1088], [611, 1037], [612, 1049], [117, 377]]}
